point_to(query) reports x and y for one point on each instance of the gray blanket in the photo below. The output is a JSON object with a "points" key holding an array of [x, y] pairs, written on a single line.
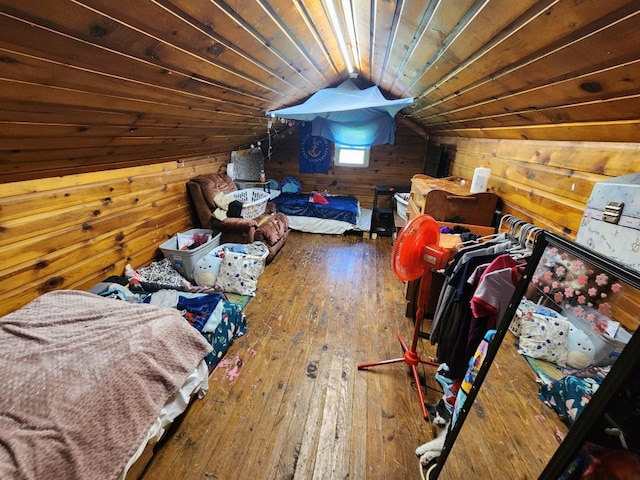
{"points": [[83, 378]]}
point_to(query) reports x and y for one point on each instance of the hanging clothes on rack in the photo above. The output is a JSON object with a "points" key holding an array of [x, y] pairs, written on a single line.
{"points": [[452, 307], [452, 267], [488, 303], [480, 281], [490, 245]]}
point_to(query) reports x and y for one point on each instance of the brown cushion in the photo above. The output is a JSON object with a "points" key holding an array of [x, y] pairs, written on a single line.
{"points": [[271, 228], [213, 184]]}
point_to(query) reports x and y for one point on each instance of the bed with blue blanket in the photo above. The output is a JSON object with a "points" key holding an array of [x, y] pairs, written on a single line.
{"points": [[340, 214]]}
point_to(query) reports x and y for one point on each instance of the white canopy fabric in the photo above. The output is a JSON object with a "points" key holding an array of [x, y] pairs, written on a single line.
{"points": [[348, 116]]}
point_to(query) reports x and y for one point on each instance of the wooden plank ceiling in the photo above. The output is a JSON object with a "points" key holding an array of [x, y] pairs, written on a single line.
{"points": [[91, 83]]}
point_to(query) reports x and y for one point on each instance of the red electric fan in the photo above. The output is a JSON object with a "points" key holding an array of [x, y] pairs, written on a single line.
{"points": [[415, 253]]}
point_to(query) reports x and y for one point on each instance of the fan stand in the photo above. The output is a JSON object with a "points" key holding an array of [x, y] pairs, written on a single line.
{"points": [[435, 258]]}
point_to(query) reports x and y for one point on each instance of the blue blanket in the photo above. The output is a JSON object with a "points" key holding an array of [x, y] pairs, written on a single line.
{"points": [[344, 208]]}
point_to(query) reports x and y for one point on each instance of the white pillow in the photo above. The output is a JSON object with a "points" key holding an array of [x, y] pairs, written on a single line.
{"points": [[545, 338], [239, 273]]}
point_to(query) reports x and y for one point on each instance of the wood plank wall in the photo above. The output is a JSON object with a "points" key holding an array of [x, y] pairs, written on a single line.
{"points": [[388, 165], [543, 182], [72, 231], [75, 230]]}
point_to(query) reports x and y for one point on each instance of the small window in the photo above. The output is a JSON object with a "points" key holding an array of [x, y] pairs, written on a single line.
{"points": [[345, 156]]}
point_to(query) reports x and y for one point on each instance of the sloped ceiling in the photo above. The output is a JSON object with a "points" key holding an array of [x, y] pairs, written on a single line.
{"points": [[100, 81]]}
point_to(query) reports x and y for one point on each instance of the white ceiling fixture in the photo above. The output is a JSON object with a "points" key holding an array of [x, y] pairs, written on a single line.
{"points": [[340, 36], [347, 9]]}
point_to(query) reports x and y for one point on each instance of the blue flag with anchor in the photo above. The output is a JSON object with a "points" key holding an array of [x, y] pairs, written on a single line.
{"points": [[315, 152]]}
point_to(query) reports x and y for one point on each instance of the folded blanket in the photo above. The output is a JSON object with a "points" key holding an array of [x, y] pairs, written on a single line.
{"points": [[84, 377]]}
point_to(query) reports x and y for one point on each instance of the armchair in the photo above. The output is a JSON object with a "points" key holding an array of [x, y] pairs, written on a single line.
{"points": [[270, 228]]}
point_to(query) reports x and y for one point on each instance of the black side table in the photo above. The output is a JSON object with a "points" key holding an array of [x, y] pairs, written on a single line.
{"points": [[382, 222]]}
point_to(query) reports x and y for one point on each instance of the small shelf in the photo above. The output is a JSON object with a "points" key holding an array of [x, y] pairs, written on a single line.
{"points": [[382, 217]]}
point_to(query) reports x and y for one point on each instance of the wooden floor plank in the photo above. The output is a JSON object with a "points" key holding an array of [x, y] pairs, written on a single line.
{"points": [[524, 434], [300, 408]]}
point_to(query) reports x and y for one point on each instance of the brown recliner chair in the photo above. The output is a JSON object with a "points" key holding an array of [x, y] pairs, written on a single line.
{"points": [[270, 228]]}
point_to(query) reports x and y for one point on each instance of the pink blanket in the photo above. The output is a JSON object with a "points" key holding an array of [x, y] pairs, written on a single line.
{"points": [[83, 378]]}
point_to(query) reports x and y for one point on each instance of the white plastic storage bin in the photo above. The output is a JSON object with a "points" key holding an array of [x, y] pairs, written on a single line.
{"points": [[184, 261], [210, 262], [232, 266], [606, 349], [402, 202], [257, 249]]}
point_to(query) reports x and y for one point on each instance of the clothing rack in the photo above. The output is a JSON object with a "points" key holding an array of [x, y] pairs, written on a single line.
{"points": [[526, 233], [478, 285]]}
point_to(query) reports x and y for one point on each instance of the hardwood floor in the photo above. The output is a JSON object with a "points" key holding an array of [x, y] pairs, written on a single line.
{"points": [[289, 402]]}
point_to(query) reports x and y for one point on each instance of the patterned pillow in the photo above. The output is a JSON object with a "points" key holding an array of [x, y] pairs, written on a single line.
{"points": [[545, 338], [239, 273]]}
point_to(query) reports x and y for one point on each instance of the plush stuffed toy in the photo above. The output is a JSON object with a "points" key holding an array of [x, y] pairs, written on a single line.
{"points": [[205, 278], [206, 269], [580, 349]]}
